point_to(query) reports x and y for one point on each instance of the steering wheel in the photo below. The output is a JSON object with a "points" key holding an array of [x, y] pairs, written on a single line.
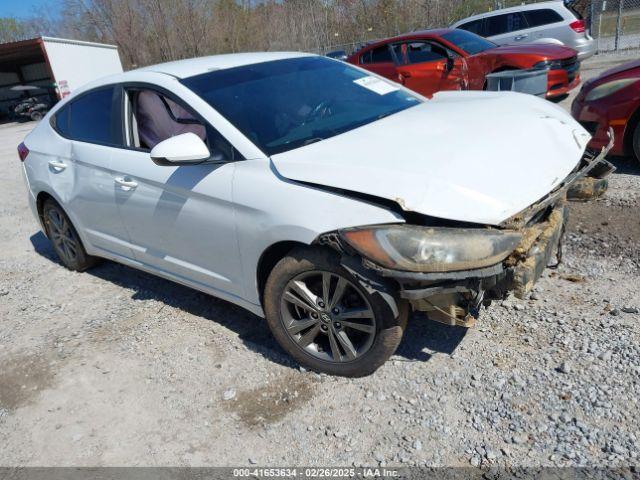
{"points": [[321, 110]]}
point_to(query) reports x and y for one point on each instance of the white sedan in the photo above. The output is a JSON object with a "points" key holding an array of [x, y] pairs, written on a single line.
{"points": [[310, 192]]}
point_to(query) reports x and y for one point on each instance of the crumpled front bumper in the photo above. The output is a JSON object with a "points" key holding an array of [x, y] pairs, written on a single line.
{"points": [[455, 297], [540, 243]]}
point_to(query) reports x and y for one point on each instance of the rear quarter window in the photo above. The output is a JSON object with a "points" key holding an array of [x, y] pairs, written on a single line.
{"points": [[545, 16], [60, 121], [90, 118]]}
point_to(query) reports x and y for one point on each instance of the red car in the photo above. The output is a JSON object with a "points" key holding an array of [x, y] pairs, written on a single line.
{"points": [[612, 100], [452, 59]]}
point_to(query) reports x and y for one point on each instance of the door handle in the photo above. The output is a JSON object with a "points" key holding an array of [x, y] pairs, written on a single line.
{"points": [[57, 166], [126, 184], [521, 37]]}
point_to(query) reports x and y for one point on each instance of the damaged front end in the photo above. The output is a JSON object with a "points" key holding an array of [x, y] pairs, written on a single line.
{"points": [[449, 273]]}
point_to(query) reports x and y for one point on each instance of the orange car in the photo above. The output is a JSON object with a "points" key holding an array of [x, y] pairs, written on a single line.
{"points": [[452, 59]]}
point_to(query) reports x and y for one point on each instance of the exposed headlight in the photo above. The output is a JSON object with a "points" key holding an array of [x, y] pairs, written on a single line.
{"points": [[608, 88], [429, 249], [550, 64]]}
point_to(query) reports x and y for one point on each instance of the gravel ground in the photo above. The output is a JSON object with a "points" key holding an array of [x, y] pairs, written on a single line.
{"points": [[117, 367]]}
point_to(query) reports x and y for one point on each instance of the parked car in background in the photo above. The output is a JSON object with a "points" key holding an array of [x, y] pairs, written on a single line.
{"points": [[448, 59], [612, 100], [543, 22], [337, 54], [310, 192]]}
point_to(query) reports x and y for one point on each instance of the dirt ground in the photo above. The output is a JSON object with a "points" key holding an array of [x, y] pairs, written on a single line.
{"points": [[114, 367]]}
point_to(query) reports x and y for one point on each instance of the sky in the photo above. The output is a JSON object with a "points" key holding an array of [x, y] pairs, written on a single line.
{"points": [[24, 8]]}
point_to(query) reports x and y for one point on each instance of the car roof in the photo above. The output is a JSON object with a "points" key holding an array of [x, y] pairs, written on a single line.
{"points": [[519, 8], [196, 66], [405, 36]]}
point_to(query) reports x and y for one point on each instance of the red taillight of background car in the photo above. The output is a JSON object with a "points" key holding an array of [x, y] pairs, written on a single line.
{"points": [[578, 26], [23, 151]]}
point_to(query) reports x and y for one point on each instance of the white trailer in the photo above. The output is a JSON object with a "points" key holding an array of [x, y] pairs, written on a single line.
{"points": [[56, 66]]}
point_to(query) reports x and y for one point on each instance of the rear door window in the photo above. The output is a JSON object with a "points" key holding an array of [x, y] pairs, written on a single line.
{"points": [[90, 118], [377, 55], [545, 16], [505, 23], [475, 26]]}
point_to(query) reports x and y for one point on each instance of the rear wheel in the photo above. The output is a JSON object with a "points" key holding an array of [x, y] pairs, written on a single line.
{"points": [[65, 239], [320, 315]]}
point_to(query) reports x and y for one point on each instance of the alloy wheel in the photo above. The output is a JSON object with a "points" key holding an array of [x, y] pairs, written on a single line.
{"points": [[62, 236], [328, 317]]}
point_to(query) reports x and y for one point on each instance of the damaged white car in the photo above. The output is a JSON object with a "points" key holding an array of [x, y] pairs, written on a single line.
{"points": [[311, 192]]}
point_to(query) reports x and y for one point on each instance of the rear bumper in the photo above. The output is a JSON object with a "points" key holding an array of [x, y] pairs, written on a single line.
{"points": [[586, 49], [33, 202]]}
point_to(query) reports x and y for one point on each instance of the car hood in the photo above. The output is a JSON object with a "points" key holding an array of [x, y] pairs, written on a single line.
{"points": [[476, 157], [543, 50]]}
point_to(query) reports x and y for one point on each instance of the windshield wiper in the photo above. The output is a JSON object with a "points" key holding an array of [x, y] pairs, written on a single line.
{"points": [[309, 141], [385, 114]]}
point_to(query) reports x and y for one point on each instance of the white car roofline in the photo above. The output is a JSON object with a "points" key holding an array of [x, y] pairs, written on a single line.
{"points": [[519, 8]]}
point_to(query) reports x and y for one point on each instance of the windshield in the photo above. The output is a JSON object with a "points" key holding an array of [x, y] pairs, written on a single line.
{"points": [[468, 42], [285, 104]]}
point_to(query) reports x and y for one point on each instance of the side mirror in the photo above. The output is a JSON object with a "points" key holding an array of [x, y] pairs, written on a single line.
{"points": [[184, 149], [446, 66], [450, 64]]}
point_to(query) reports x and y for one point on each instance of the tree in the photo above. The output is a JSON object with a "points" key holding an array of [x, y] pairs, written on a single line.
{"points": [[12, 29]]}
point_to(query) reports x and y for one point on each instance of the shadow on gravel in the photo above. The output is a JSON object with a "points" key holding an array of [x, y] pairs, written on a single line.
{"points": [[43, 247], [252, 330], [422, 334], [625, 165], [424, 337]]}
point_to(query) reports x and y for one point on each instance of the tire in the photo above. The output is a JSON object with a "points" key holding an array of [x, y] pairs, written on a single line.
{"points": [[65, 239], [352, 335], [635, 147], [35, 116]]}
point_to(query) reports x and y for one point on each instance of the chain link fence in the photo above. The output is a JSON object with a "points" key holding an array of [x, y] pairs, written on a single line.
{"points": [[615, 24]]}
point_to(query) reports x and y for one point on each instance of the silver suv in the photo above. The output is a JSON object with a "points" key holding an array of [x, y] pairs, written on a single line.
{"points": [[544, 22]]}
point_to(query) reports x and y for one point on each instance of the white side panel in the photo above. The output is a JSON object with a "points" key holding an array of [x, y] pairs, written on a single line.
{"points": [[77, 64]]}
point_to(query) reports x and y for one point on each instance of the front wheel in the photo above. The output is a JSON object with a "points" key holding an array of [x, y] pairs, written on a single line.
{"points": [[322, 317]]}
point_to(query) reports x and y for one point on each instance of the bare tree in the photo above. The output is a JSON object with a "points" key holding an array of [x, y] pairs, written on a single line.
{"points": [[151, 31]]}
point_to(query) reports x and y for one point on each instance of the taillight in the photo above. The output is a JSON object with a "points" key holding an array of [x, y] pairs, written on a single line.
{"points": [[578, 26], [23, 151]]}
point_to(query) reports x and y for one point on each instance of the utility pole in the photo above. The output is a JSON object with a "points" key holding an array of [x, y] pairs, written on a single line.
{"points": [[619, 24]]}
